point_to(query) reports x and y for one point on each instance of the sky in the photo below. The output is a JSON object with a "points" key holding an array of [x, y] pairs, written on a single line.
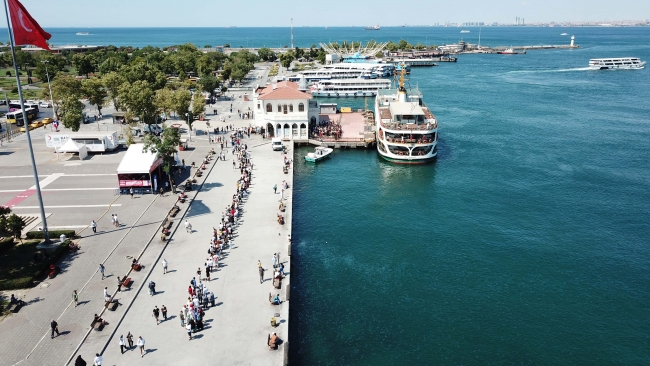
{"points": [[270, 13]]}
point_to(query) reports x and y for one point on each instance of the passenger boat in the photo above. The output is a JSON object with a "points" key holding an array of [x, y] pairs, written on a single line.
{"points": [[349, 87], [464, 31], [373, 27], [320, 153], [83, 33], [629, 63], [510, 51], [407, 131], [344, 70]]}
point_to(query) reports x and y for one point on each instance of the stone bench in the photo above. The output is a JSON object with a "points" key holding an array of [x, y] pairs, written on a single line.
{"points": [[98, 326]]}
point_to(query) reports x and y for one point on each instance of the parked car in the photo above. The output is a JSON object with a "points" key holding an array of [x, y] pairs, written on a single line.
{"points": [[45, 105]]}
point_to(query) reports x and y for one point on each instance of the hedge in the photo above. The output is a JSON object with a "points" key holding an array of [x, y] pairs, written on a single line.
{"points": [[6, 243], [27, 278], [54, 234]]}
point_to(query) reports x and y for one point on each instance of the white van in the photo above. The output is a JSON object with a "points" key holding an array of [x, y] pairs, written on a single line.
{"points": [[276, 143]]}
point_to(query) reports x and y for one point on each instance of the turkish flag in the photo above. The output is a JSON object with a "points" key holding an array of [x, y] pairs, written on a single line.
{"points": [[26, 30]]}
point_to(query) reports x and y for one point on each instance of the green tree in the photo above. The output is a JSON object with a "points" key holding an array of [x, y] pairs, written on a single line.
{"points": [[419, 46], [164, 101], [112, 82], [182, 100], [72, 112], [165, 146], [266, 54], [64, 86], [208, 83], [128, 135], [198, 105], [15, 225], [4, 212], [138, 97], [286, 58], [94, 90], [24, 59], [85, 63]]}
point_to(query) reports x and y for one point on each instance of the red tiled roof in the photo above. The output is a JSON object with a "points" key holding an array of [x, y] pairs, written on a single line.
{"points": [[285, 90]]}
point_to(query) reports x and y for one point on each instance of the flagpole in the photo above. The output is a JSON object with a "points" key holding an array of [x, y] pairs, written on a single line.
{"points": [[29, 139]]}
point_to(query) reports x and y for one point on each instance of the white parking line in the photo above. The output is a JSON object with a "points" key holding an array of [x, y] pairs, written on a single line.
{"points": [[71, 206], [88, 175], [67, 227], [79, 189], [24, 176]]}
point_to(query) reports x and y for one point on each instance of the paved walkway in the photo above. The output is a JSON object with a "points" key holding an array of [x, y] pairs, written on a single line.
{"points": [[237, 328]]}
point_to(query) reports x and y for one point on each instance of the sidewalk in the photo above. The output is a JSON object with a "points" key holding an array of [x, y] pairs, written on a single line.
{"points": [[237, 328]]}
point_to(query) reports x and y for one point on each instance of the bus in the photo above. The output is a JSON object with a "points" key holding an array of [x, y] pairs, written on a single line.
{"points": [[14, 105], [17, 116]]}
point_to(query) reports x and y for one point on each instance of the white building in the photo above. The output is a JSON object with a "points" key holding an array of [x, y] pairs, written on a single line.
{"points": [[285, 111]]}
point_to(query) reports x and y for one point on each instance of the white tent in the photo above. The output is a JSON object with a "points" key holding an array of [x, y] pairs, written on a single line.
{"points": [[69, 146], [136, 160]]}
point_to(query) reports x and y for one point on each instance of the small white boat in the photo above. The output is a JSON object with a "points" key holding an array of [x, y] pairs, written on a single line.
{"points": [[464, 31], [83, 33], [319, 154], [564, 34]]}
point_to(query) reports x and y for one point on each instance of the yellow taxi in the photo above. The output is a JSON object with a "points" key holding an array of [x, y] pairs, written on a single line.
{"points": [[23, 129], [36, 124], [47, 121]]}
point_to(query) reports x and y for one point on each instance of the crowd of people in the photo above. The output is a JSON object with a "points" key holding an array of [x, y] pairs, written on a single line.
{"points": [[326, 129]]}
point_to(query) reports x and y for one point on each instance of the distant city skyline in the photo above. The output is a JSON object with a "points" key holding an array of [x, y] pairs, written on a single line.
{"points": [[204, 13]]}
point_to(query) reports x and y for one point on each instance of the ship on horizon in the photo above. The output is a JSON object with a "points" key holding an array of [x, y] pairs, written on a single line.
{"points": [[373, 27]]}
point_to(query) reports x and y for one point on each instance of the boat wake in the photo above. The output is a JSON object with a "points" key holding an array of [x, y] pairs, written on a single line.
{"points": [[550, 70]]}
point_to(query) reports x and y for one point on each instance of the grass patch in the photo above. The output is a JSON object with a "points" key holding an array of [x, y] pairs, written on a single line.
{"points": [[20, 267]]}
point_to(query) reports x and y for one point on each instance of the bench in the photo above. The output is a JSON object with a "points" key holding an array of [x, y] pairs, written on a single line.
{"points": [[112, 305], [98, 326], [14, 307], [126, 283]]}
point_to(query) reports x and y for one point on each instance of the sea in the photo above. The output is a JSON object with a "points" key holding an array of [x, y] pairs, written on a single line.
{"points": [[526, 243]]}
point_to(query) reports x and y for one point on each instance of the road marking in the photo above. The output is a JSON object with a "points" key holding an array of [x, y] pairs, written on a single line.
{"points": [[88, 175], [70, 206], [23, 176], [78, 189], [11, 190], [67, 227], [45, 182]]}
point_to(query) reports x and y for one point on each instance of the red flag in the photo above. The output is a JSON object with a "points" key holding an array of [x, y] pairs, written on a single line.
{"points": [[26, 30]]}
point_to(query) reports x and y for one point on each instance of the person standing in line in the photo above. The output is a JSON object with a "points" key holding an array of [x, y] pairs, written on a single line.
{"points": [[122, 344], [188, 327], [129, 338], [93, 225], [164, 265], [198, 273], [55, 328], [131, 192], [101, 270], [75, 298], [261, 271], [98, 360], [141, 345], [182, 317], [207, 273], [282, 192], [164, 312]]}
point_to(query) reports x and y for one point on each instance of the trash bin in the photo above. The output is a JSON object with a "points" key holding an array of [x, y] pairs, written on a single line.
{"points": [[62, 238]]}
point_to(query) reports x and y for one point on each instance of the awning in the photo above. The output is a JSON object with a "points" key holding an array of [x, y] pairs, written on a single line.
{"points": [[136, 160]]}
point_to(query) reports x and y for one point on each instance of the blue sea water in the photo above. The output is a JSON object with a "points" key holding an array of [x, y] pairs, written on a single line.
{"points": [[527, 242]]}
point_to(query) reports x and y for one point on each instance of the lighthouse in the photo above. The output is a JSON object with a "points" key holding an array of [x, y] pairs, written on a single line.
{"points": [[573, 38]]}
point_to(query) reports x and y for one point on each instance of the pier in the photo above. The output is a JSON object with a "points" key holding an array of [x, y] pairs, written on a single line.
{"points": [[357, 131]]}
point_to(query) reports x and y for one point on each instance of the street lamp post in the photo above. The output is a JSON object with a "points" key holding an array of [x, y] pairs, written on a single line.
{"points": [[189, 126], [45, 62]]}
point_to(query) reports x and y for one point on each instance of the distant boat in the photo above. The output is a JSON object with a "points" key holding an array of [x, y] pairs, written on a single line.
{"points": [[373, 27], [320, 153], [510, 51], [464, 31], [83, 33], [564, 34]]}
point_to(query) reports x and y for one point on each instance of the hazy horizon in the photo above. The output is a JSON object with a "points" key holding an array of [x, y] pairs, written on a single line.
{"points": [[334, 13]]}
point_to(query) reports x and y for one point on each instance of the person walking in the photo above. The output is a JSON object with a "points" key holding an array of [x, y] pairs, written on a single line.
{"points": [[261, 271], [131, 192], [152, 288], [188, 226], [113, 219], [198, 273], [164, 265], [275, 189], [275, 260], [75, 298], [188, 327], [141, 345], [101, 270], [98, 360], [163, 310], [93, 225], [117, 222], [122, 344], [156, 314], [55, 328], [129, 338]]}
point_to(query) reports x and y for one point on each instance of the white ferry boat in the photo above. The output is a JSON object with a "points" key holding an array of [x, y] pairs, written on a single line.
{"points": [[407, 131], [349, 87], [616, 63], [348, 70]]}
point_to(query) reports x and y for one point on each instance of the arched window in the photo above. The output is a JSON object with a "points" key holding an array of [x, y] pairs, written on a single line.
{"points": [[290, 107], [269, 107], [285, 109], [279, 108], [301, 107]]}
